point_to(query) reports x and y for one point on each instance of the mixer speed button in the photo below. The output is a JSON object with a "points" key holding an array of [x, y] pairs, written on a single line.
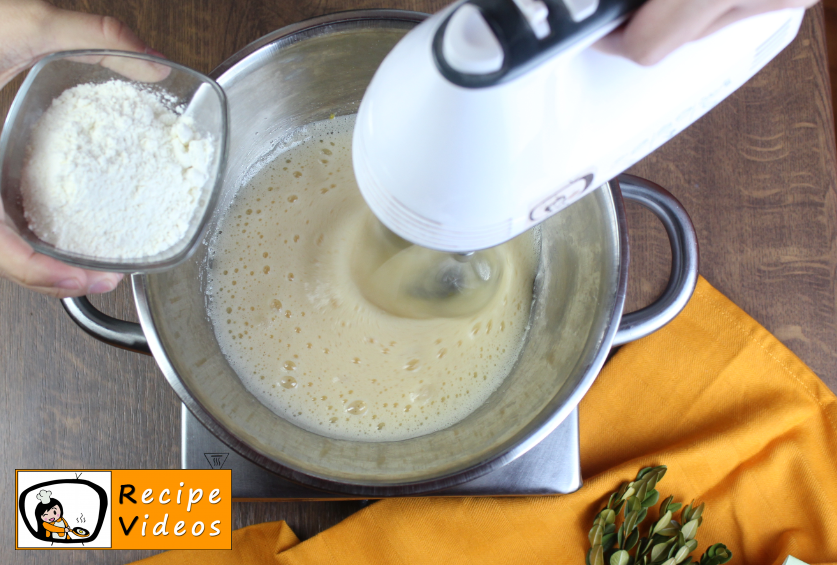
{"points": [[469, 44], [561, 198]]}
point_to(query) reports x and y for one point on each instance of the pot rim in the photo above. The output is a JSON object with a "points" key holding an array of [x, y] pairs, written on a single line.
{"points": [[535, 436]]}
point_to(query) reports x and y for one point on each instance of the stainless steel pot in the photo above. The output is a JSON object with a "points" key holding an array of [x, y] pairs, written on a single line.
{"points": [[304, 73]]}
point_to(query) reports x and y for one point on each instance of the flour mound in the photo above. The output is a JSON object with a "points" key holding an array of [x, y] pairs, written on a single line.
{"points": [[113, 172]]}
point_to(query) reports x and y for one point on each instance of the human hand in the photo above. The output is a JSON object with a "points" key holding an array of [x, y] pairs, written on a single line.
{"points": [[30, 30], [661, 26]]}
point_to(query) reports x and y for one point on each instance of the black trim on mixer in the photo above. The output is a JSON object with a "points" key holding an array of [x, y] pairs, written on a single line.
{"points": [[522, 50]]}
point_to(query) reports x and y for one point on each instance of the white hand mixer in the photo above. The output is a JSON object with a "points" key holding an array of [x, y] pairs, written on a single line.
{"points": [[493, 115]]}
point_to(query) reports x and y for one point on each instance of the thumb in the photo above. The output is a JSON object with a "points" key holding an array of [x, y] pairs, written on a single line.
{"points": [[75, 30]]}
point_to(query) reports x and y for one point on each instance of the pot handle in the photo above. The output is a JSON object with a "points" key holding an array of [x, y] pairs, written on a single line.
{"points": [[118, 333], [684, 259]]}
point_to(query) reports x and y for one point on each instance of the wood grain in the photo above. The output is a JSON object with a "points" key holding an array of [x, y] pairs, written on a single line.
{"points": [[757, 175], [830, 18]]}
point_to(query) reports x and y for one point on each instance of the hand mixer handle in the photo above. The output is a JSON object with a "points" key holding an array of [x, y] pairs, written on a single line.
{"points": [[527, 31]]}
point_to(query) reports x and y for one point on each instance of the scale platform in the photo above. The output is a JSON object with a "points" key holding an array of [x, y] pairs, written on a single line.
{"points": [[551, 467]]}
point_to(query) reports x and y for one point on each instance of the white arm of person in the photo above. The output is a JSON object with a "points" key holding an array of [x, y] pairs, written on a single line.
{"points": [[30, 30]]}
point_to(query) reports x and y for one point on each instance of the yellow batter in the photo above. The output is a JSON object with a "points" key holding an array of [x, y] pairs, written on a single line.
{"points": [[294, 324]]}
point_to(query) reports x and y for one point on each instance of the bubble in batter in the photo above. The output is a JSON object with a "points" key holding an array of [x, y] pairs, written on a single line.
{"points": [[294, 323]]}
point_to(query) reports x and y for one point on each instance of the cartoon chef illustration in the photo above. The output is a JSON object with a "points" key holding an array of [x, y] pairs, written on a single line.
{"points": [[49, 515]]}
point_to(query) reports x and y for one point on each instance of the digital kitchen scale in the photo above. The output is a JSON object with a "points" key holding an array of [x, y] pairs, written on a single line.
{"points": [[551, 467]]}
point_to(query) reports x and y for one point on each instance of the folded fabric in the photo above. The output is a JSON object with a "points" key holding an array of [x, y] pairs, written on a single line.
{"points": [[742, 424]]}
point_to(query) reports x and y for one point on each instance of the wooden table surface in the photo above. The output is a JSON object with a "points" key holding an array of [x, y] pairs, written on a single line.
{"points": [[757, 175]]}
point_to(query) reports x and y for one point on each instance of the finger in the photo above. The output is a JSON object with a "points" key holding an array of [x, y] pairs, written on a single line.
{"points": [[135, 69], [20, 264], [75, 30], [62, 293], [743, 12], [20, 29], [660, 26]]}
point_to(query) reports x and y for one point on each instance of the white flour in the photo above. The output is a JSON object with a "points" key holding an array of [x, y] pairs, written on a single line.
{"points": [[113, 172]]}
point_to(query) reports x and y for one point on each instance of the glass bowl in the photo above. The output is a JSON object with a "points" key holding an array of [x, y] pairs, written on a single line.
{"points": [[186, 92]]}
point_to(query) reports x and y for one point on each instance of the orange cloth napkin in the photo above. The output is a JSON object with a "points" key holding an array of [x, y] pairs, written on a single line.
{"points": [[741, 422]]}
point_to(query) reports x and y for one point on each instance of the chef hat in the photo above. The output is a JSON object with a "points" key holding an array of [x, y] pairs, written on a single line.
{"points": [[44, 496]]}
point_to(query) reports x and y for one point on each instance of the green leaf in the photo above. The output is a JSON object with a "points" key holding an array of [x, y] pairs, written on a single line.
{"points": [[640, 518], [652, 481], [669, 561], [716, 555], [587, 557], [651, 499], [610, 529], [664, 504], [628, 493], [661, 523], [671, 530], [622, 488], [685, 516], [608, 515], [642, 492], [698, 511], [672, 550], [691, 544], [597, 557], [631, 541], [681, 554], [658, 551], [689, 530], [643, 472], [595, 535], [608, 541], [630, 523], [661, 472], [675, 506], [620, 536], [620, 558], [643, 547]]}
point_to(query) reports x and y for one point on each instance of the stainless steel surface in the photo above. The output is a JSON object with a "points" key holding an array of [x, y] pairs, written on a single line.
{"points": [[551, 467], [313, 70], [312, 73], [118, 333], [684, 259], [201, 97]]}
